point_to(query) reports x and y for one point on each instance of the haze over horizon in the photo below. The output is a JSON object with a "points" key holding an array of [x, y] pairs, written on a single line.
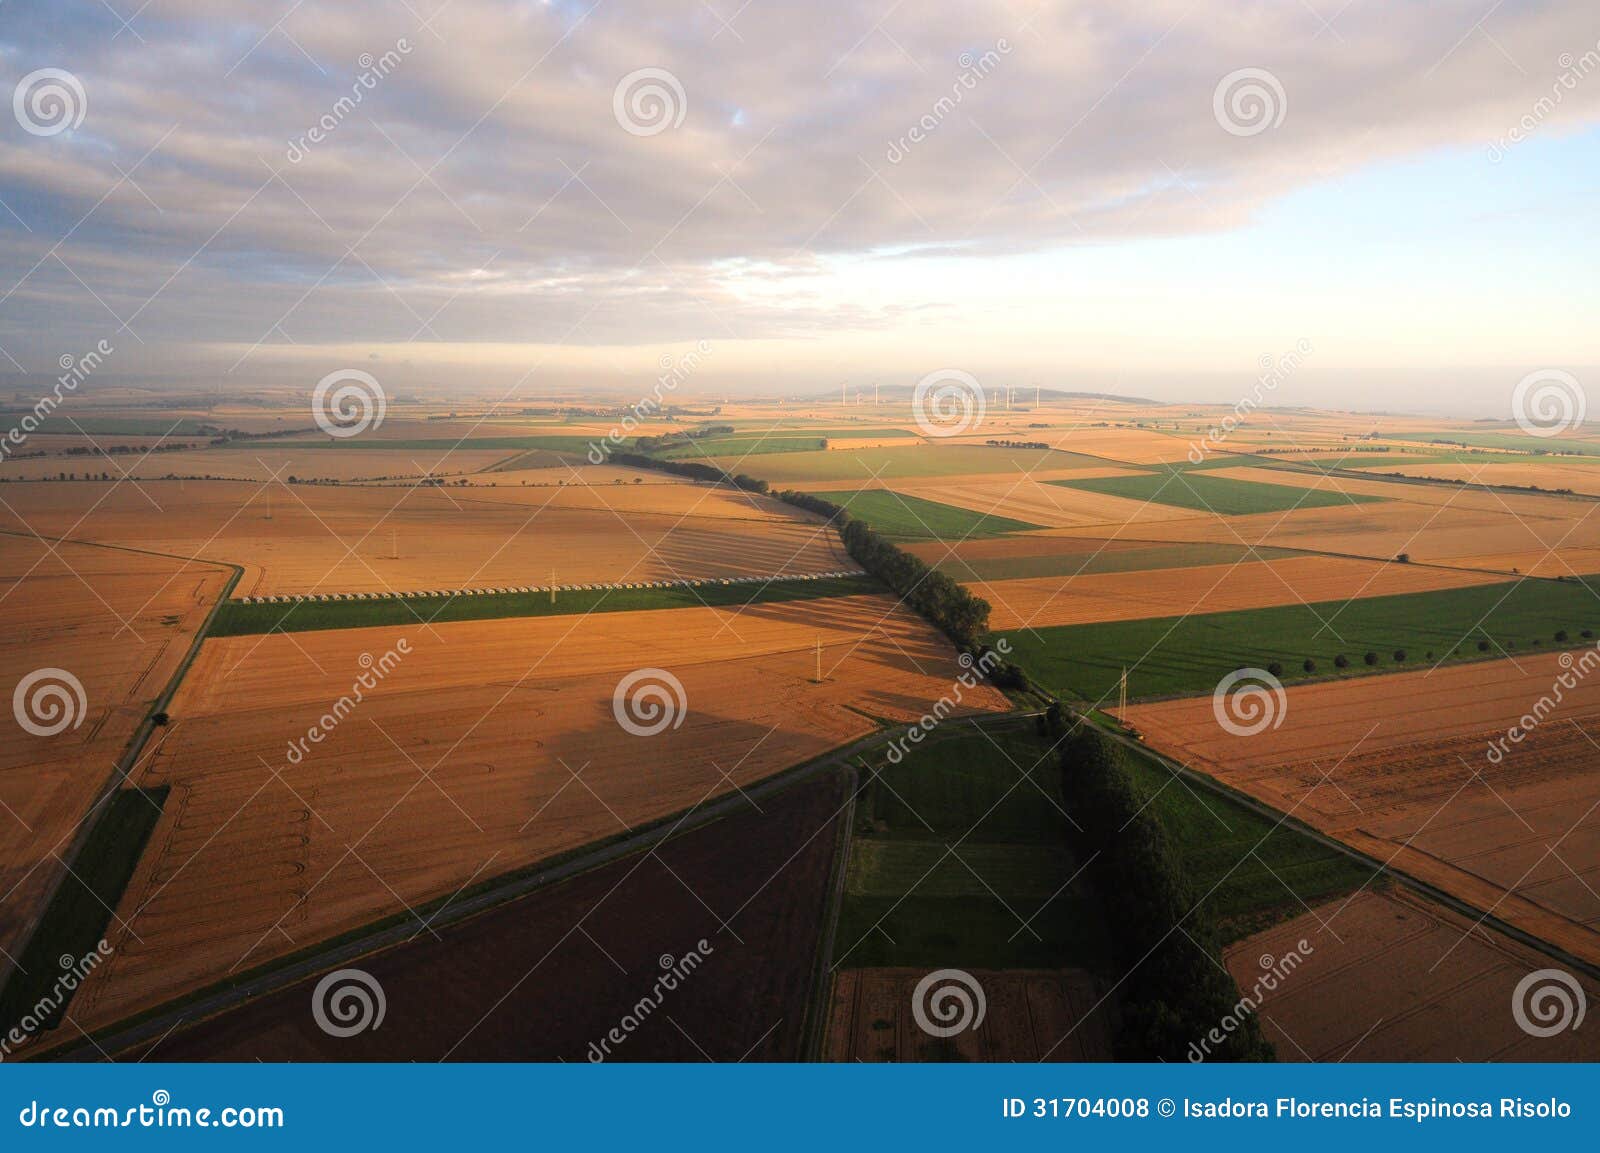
{"points": [[1079, 196]]}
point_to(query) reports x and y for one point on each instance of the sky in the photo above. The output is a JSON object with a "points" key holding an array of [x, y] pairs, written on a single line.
{"points": [[521, 198]]}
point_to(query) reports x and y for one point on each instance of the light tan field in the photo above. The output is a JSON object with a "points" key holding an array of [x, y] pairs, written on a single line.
{"points": [[1040, 601], [307, 538], [1520, 471], [1024, 498], [1128, 445], [489, 746], [1390, 976], [1403, 768], [265, 461], [1029, 1015], [1464, 532], [118, 621]]}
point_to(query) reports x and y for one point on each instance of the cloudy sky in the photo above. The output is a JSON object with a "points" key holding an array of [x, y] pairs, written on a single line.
{"points": [[512, 194]]}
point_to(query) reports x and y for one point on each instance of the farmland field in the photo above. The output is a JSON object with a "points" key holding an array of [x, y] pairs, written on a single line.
{"points": [[544, 977], [1169, 655], [912, 518], [119, 624], [1430, 781], [1224, 496], [1393, 977], [490, 745]]}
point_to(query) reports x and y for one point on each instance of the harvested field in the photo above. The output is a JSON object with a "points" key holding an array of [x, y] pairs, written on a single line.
{"points": [[490, 746], [1045, 502], [1031, 555], [1460, 532], [319, 538], [1518, 471], [1400, 767], [1030, 1015], [1392, 976], [1042, 601], [121, 623], [548, 975]]}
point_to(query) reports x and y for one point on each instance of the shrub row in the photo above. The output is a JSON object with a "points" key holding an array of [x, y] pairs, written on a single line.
{"points": [[693, 469], [1177, 991], [946, 603]]}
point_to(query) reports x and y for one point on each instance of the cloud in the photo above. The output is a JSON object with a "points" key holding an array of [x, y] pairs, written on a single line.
{"points": [[247, 176]]}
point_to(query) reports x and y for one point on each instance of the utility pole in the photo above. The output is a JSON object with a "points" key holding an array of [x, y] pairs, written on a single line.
{"points": [[1122, 696], [552, 586], [819, 658]]}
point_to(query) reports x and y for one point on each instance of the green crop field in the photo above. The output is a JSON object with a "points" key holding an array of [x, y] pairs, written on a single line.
{"points": [[1255, 870], [954, 848], [912, 518], [1511, 440], [1219, 494], [1155, 556], [1174, 656], [235, 619]]}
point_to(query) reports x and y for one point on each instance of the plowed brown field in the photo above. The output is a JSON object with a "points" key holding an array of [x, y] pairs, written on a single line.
{"points": [[1393, 977], [490, 746], [1399, 767]]}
